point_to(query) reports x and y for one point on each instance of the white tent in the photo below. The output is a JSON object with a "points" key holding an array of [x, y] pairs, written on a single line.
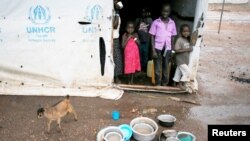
{"points": [[45, 51]]}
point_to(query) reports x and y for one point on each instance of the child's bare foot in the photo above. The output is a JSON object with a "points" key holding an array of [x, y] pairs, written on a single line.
{"points": [[117, 80], [175, 85], [130, 79], [181, 86]]}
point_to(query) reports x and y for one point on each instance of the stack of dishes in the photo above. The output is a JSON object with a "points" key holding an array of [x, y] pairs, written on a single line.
{"points": [[113, 133], [110, 133], [172, 135]]}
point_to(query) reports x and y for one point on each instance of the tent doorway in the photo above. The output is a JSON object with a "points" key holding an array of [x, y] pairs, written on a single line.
{"points": [[182, 12]]}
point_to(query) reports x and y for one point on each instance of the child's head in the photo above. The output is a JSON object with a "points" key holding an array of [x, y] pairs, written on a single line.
{"points": [[130, 27], [185, 30], [165, 10]]}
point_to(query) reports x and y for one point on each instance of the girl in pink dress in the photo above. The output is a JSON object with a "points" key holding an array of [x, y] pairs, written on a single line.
{"points": [[130, 43]]}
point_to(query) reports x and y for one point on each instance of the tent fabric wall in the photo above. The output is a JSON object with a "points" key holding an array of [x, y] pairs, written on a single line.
{"points": [[199, 22], [44, 50]]}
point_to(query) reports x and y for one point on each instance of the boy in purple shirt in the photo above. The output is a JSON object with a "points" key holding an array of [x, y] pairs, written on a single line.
{"points": [[162, 32]]}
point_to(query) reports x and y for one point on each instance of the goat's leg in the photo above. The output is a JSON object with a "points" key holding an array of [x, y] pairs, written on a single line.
{"points": [[59, 123], [71, 110], [49, 123]]}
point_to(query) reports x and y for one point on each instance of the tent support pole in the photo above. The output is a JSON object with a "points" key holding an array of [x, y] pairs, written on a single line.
{"points": [[222, 10]]}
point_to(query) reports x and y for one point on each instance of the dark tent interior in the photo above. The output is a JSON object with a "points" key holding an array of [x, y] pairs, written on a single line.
{"points": [[183, 11]]}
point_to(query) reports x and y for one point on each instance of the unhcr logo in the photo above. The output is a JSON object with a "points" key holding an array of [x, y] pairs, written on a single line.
{"points": [[94, 12], [39, 14]]}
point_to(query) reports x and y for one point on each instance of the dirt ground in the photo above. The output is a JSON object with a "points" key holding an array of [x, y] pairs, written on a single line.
{"points": [[224, 70], [18, 119], [224, 99]]}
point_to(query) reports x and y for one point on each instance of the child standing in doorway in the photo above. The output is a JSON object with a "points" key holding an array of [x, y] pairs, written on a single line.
{"points": [[162, 33], [116, 43], [143, 24], [130, 43], [183, 49]]}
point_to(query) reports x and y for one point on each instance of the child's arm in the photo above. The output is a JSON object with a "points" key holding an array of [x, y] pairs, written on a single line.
{"points": [[137, 40], [190, 49], [173, 37], [153, 46], [125, 39], [152, 32], [116, 21], [172, 41], [182, 50]]}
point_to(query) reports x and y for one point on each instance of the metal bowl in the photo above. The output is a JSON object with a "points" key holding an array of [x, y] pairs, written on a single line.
{"points": [[142, 136], [170, 133], [172, 139], [143, 128], [166, 120], [112, 129], [113, 136]]}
